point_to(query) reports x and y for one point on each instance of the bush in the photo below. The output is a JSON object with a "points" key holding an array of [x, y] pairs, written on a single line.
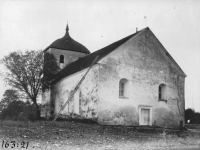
{"points": [[18, 110], [193, 116], [13, 110], [30, 112], [22, 116], [195, 120]]}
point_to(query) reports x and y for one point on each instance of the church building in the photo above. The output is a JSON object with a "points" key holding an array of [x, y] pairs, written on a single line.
{"points": [[133, 82]]}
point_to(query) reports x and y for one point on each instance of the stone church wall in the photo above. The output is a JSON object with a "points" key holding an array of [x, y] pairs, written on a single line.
{"points": [[145, 65], [87, 95]]}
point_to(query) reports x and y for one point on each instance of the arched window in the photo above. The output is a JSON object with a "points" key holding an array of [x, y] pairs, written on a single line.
{"points": [[123, 88], [61, 58], [162, 92]]}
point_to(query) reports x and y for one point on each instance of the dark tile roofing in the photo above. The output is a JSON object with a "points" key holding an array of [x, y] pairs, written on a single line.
{"points": [[67, 43], [86, 61]]}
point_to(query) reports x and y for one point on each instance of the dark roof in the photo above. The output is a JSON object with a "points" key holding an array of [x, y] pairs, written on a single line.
{"points": [[67, 43], [86, 61]]}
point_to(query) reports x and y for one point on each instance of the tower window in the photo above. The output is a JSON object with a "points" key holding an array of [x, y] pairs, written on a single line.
{"points": [[162, 92], [123, 88], [61, 58]]}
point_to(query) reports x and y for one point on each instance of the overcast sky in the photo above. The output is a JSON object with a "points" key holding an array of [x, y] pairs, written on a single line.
{"points": [[34, 25]]}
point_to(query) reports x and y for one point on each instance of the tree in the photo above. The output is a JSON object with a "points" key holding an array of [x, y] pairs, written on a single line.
{"points": [[24, 72], [8, 96], [50, 68]]}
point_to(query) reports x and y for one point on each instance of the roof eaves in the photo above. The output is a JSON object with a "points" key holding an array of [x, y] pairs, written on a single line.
{"points": [[65, 49]]}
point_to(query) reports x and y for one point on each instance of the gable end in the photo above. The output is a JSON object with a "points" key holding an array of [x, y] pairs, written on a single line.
{"points": [[167, 53]]}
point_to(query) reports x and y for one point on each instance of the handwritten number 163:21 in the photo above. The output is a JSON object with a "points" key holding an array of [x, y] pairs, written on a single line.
{"points": [[13, 144]]}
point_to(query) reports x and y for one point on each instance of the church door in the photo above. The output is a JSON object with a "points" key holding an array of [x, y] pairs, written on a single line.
{"points": [[145, 116]]}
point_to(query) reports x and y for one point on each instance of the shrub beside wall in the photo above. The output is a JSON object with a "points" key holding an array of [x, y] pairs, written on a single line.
{"points": [[19, 110]]}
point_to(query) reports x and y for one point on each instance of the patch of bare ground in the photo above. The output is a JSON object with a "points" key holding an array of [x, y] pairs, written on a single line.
{"points": [[69, 135]]}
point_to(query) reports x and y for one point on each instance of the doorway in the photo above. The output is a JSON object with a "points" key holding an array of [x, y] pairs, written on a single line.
{"points": [[145, 118]]}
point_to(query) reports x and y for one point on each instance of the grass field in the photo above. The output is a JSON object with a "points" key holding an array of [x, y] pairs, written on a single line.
{"points": [[72, 135]]}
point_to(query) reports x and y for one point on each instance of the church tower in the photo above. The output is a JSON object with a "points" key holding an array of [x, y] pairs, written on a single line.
{"points": [[66, 50]]}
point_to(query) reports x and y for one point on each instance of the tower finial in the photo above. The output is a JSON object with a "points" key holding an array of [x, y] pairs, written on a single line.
{"points": [[67, 31], [67, 28]]}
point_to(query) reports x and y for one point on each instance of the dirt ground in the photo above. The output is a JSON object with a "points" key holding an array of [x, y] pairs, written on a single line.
{"points": [[70, 135]]}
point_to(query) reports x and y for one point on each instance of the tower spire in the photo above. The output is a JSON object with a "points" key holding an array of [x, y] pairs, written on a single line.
{"points": [[67, 32], [67, 28]]}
